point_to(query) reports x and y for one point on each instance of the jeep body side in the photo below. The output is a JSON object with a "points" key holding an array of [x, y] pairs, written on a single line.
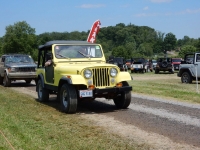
{"points": [[164, 64], [75, 75], [16, 67], [189, 69]]}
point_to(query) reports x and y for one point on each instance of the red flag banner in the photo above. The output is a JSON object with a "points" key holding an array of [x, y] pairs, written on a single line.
{"points": [[94, 31]]}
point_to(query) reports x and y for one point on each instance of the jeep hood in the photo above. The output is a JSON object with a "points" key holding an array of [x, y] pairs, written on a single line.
{"points": [[79, 67]]}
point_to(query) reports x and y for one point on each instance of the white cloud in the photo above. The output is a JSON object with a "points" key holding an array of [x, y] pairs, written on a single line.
{"points": [[146, 14], [193, 11], [146, 8], [187, 11], [91, 6], [160, 1]]}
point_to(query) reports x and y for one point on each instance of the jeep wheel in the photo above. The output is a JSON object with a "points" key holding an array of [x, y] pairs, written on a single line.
{"points": [[124, 100], [186, 78], [43, 94], [68, 98], [6, 81]]}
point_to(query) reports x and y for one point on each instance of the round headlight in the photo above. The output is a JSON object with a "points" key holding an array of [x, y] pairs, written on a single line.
{"points": [[113, 72], [88, 73]]}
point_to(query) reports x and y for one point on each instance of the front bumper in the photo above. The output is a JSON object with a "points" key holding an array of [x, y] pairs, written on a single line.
{"points": [[164, 69], [113, 90], [137, 69], [22, 75]]}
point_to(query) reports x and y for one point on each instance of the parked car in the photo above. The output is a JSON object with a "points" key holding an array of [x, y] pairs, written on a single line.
{"points": [[138, 65], [189, 69], [119, 61], [176, 62], [164, 64], [16, 67]]}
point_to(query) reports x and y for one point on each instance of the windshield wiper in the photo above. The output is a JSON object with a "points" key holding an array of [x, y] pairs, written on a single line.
{"points": [[88, 56], [62, 56]]}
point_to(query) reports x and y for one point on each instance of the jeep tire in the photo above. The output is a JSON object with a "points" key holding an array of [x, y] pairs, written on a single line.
{"points": [[43, 94], [6, 81], [124, 99], [164, 64], [186, 78], [68, 98]]}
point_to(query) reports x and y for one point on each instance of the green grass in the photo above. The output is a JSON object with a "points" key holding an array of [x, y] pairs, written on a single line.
{"points": [[30, 125], [164, 85]]}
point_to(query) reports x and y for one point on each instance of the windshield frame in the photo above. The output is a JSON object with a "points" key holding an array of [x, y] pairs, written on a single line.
{"points": [[62, 51]]}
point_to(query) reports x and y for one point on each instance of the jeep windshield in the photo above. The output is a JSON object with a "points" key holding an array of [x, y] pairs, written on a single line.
{"points": [[77, 51], [139, 60], [18, 59]]}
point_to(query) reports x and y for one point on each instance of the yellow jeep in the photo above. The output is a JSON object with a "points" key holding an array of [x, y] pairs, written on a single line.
{"points": [[77, 70]]}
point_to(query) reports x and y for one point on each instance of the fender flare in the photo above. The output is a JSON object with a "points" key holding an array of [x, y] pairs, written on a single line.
{"points": [[186, 69], [65, 79]]}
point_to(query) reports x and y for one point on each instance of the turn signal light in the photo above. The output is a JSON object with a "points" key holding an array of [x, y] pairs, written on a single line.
{"points": [[91, 87], [119, 85]]}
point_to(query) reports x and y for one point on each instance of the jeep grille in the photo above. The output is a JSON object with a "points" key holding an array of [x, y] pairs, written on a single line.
{"points": [[26, 69], [101, 77]]}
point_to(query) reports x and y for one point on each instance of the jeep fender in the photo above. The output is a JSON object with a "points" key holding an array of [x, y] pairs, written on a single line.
{"points": [[182, 70], [123, 76], [73, 79]]}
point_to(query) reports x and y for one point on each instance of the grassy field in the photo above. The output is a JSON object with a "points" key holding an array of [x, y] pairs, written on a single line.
{"points": [[29, 125], [165, 85]]}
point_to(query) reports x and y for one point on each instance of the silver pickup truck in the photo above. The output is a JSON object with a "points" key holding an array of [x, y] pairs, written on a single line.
{"points": [[16, 67], [189, 69]]}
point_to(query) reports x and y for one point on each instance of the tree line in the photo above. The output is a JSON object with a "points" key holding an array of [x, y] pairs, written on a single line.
{"points": [[120, 41]]}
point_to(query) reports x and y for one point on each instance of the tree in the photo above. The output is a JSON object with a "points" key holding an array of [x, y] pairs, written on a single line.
{"points": [[186, 49], [170, 42], [120, 51], [19, 38]]}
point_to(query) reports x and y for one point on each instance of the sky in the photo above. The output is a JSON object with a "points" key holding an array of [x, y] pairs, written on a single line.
{"points": [[180, 17]]}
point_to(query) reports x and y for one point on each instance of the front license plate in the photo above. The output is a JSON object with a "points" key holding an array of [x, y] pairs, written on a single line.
{"points": [[85, 93]]}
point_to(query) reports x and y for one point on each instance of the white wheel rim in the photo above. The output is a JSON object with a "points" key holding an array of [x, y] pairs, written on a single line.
{"points": [[64, 98]]}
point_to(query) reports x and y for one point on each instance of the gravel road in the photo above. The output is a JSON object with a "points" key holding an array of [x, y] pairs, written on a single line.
{"points": [[160, 123]]}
